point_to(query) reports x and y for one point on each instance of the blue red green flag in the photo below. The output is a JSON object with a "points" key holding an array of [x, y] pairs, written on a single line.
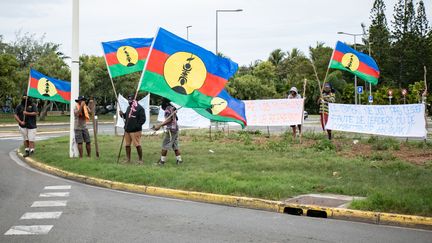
{"points": [[183, 72], [47, 88], [225, 109], [126, 56], [355, 62]]}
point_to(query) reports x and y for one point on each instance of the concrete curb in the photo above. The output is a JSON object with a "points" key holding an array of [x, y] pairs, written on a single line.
{"points": [[245, 202]]}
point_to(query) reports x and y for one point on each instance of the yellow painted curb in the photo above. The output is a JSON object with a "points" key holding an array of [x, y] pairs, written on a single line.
{"points": [[245, 202]]}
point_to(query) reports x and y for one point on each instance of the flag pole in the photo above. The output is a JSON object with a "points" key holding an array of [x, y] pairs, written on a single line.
{"points": [[424, 97], [304, 93], [28, 88], [136, 92]]}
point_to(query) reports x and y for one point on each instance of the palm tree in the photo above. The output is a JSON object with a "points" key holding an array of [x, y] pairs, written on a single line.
{"points": [[276, 57]]}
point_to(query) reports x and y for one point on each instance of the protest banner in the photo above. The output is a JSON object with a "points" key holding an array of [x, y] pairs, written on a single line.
{"points": [[387, 120], [274, 112], [123, 104], [187, 117]]}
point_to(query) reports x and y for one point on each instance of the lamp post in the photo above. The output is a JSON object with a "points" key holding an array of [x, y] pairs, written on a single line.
{"points": [[187, 31], [355, 48], [217, 12]]}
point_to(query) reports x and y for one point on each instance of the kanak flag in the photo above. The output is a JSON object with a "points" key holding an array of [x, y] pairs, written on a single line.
{"points": [[47, 88]]}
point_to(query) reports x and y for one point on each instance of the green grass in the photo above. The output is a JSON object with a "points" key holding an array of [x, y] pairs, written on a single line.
{"points": [[249, 164]]}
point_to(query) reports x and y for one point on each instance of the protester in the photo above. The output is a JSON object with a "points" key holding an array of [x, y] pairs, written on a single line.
{"points": [[25, 115], [171, 133], [82, 116], [293, 94], [134, 119], [327, 96]]}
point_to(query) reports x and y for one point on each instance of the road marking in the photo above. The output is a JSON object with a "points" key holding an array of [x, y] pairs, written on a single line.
{"points": [[29, 230], [41, 215], [54, 194], [49, 204], [63, 187]]}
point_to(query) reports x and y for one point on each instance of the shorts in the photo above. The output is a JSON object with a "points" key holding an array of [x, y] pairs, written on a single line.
{"points": [[299, 125], [170, 141], [82, 136], [28, 134], [133, 138], [323, 119]]}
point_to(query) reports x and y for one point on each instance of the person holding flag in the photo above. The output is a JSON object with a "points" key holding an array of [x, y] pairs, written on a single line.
{"points": [[171, 132], [81, 132], [25, 115], [134, 119], [327, 96]]}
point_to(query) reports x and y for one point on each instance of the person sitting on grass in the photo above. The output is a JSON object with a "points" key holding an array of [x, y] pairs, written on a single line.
{"points": [[82, 116], [293, 94], [134, 119], [171, 132]]}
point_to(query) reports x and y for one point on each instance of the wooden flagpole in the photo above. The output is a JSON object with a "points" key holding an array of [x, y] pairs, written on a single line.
{"points": [[424, 100], [136, 92], [304, 93], [92, 106]]}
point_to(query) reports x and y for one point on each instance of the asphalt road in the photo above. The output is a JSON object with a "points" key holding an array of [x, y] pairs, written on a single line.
{"points": [[82, 213]]}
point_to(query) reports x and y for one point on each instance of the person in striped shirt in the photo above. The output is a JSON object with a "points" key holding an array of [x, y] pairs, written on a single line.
{"points": [[327, 97]]}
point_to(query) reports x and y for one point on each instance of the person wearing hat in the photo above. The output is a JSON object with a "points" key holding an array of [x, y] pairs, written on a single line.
{"points": [[25, 115], [82, 116], [134, 119], [293, 94], [327, 97], [171, 132]]}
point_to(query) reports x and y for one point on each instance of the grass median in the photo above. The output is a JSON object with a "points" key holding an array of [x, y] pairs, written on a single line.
{"points": [[394, 176]]}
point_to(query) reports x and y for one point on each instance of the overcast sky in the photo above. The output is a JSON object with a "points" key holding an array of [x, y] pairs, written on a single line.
{"points": [[263, 26]]}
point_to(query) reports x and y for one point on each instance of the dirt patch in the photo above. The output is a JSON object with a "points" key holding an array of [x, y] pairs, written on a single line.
{"points": [[417, 156]]}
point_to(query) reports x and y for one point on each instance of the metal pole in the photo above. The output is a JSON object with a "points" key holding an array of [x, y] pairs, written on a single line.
{"points": [[73, 151], [369, 52], [217, 11], [355, 77], [187, 31]]}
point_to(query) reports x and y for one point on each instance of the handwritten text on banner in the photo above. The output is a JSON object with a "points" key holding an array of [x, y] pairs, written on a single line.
{"points": [[274, 112], [388, 120]]}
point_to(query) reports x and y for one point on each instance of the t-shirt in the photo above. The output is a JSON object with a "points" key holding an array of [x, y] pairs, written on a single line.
{"points": [[171, 126], [80, 120], [30, 121]]}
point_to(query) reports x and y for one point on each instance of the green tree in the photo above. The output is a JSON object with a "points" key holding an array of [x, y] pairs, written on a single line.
{"points": [[8, 66], [379, 38], [405, 48], [250, 87]]}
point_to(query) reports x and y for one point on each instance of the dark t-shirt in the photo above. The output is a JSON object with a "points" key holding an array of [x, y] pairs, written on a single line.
{"points": [[30, 121]]}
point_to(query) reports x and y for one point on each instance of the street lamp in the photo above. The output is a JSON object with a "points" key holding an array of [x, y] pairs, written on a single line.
{"points": [[355, 48], [187, 31], [222, 10]]}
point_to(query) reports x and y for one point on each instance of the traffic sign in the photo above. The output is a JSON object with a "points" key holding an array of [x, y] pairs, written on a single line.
{"points": [[404, 92], [370, 99], [390, 93], [359, 89]]}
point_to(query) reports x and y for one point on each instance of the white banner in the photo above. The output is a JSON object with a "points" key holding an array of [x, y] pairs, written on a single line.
{"points": [[187, 117], [388, 120], [123, 103], [274, 112]]}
